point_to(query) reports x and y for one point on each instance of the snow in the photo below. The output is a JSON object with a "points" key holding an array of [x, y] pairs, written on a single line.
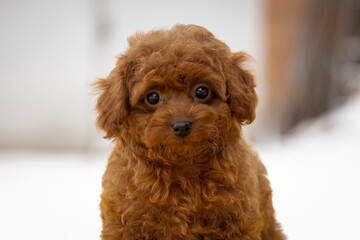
{"points": [[50, 196], [314, 174]]}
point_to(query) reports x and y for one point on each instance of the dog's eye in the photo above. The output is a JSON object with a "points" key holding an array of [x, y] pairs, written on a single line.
{"points": [[153, 98], [202, 92]]}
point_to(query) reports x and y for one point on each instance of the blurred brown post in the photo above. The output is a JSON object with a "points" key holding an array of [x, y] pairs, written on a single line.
{"points": [[304, 58]]}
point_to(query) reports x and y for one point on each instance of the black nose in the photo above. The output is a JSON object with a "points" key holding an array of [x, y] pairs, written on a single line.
{"points": [[182, 128]]}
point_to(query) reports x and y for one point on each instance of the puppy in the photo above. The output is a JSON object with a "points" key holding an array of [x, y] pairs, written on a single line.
{"points": [[174, 106]]}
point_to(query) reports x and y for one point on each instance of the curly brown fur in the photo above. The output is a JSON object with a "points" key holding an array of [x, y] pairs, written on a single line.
{"points": [[207, 185]]}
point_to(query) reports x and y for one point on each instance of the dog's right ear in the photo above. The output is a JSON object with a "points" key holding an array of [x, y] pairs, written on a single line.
{"points": [[113, 103]]}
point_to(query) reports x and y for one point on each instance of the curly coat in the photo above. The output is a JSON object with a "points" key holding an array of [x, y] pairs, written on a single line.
{"points": [[158, 186]]}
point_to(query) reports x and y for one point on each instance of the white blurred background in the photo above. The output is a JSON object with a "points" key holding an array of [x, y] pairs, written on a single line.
{"points": [[307, 131]]}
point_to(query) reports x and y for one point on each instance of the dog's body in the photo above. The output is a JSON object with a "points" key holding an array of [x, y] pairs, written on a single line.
{"points": [[181, 169]]}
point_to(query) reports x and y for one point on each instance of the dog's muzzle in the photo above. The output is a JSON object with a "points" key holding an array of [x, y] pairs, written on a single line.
{"points": [[182, 128]]}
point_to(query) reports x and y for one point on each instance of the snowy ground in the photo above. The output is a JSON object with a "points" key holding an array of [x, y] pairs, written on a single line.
{"points": [[50, 196], [314, 174]]}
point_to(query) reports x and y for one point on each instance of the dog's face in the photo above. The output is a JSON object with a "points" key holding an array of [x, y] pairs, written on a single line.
{"points": [[177, 93]]}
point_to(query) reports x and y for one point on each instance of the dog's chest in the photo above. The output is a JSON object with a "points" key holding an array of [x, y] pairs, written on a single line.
{"points": [[191, 208]]}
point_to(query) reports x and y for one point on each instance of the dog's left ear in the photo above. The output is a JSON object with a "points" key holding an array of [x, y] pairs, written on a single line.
{"points": [[241, 85]]}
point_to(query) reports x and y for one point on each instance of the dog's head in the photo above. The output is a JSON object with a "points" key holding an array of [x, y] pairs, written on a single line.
{"points": [[178, 93]]}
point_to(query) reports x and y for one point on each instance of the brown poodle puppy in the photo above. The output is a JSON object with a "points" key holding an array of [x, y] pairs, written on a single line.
{"points": [[181, 169]]}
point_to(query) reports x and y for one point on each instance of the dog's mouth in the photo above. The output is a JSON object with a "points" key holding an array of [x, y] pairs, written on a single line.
{"points": [[184, 152]]}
